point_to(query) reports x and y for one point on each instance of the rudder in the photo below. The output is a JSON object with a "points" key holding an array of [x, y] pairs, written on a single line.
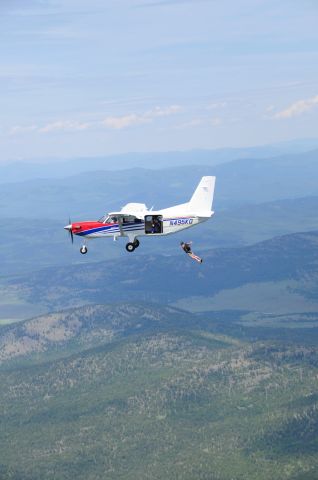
{"points": [[202, 198]]}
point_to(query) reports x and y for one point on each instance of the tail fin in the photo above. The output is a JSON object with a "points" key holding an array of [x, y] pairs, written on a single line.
{"points": [[202, 199]]}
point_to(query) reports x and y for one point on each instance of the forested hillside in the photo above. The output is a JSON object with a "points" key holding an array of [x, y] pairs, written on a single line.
{"points": [[146, 392]]}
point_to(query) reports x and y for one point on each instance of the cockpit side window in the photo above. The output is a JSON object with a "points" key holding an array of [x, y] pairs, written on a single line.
{"points": [[108, 219]]}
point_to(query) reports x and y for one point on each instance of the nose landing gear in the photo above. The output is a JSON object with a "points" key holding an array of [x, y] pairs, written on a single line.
{"points": [[83, 249]]}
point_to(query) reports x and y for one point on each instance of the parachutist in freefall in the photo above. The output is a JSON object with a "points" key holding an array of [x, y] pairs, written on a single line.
{"points": [[186, 247]]}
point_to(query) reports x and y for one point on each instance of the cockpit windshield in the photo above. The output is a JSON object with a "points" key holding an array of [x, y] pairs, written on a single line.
{"points": [[107, 219]]}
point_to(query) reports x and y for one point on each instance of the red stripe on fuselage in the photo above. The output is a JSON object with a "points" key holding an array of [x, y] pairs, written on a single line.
{"points": [[79, 227]]}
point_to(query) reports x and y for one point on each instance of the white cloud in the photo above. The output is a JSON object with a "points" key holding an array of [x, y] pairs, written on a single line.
{"points": [[163, 112], [124, 121], [133, 119], [111, 122], [298, 108], [60, 125], [64, 125], [20, 130]]}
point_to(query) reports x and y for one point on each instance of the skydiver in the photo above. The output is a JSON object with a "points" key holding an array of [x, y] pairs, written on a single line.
{"points": [[186, 247]]}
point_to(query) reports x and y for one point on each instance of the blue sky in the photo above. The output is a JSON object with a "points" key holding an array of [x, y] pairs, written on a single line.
{"points": [[83, 78]]}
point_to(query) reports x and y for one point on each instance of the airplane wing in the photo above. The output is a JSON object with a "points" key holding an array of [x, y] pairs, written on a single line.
{"points": [[131, 211]]}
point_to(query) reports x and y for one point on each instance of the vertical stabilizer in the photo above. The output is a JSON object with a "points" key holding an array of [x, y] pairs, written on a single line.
{"points": [[202, 199]]}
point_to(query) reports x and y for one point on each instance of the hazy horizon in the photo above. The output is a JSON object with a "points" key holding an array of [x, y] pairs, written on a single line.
{"points": [[139, 159]]}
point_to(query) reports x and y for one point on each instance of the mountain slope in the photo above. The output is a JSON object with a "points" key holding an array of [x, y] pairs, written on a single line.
{"points": [[85, 327], [287, 265], [158, 403], [286, 257]]}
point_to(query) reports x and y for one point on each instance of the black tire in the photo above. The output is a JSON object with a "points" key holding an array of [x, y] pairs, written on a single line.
{"points": [[130, 247], [83, 250], [136, 243]]}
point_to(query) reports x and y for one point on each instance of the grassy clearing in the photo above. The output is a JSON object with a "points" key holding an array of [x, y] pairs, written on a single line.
{"points": [[266, 297]]}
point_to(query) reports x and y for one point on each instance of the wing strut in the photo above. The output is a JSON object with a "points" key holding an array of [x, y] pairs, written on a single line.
{"points": [[120, 225]]}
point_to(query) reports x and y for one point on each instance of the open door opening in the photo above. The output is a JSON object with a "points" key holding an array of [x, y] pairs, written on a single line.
{"points": [[153, 224]]}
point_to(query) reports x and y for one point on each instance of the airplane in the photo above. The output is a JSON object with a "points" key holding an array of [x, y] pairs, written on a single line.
{"points": [[135, 220]]}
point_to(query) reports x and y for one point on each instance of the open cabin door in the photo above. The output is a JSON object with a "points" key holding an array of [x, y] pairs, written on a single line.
{"points": [[153, 224]]}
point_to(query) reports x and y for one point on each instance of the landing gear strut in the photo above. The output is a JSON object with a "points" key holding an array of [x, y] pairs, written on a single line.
{"points": [[83, 249], [131, 246]]}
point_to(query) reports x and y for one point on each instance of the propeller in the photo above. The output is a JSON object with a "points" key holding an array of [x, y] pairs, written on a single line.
{"points": [[69, 228]]}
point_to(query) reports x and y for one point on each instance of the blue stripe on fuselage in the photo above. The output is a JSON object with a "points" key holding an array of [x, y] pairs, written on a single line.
{"points": [[112, 229]]}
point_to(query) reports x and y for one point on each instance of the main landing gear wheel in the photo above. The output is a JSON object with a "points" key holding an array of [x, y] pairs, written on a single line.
{"points": [[136, 243], [130, 247], [83, 249]]}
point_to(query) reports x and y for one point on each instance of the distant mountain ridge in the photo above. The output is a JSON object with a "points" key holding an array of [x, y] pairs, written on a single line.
{"points": [[239, 183], [47, 244], [290, 261], [26, 170]]}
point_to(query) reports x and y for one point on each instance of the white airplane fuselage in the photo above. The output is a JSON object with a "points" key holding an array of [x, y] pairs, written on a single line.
{"points": [[134, 228], [135, 220]]}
